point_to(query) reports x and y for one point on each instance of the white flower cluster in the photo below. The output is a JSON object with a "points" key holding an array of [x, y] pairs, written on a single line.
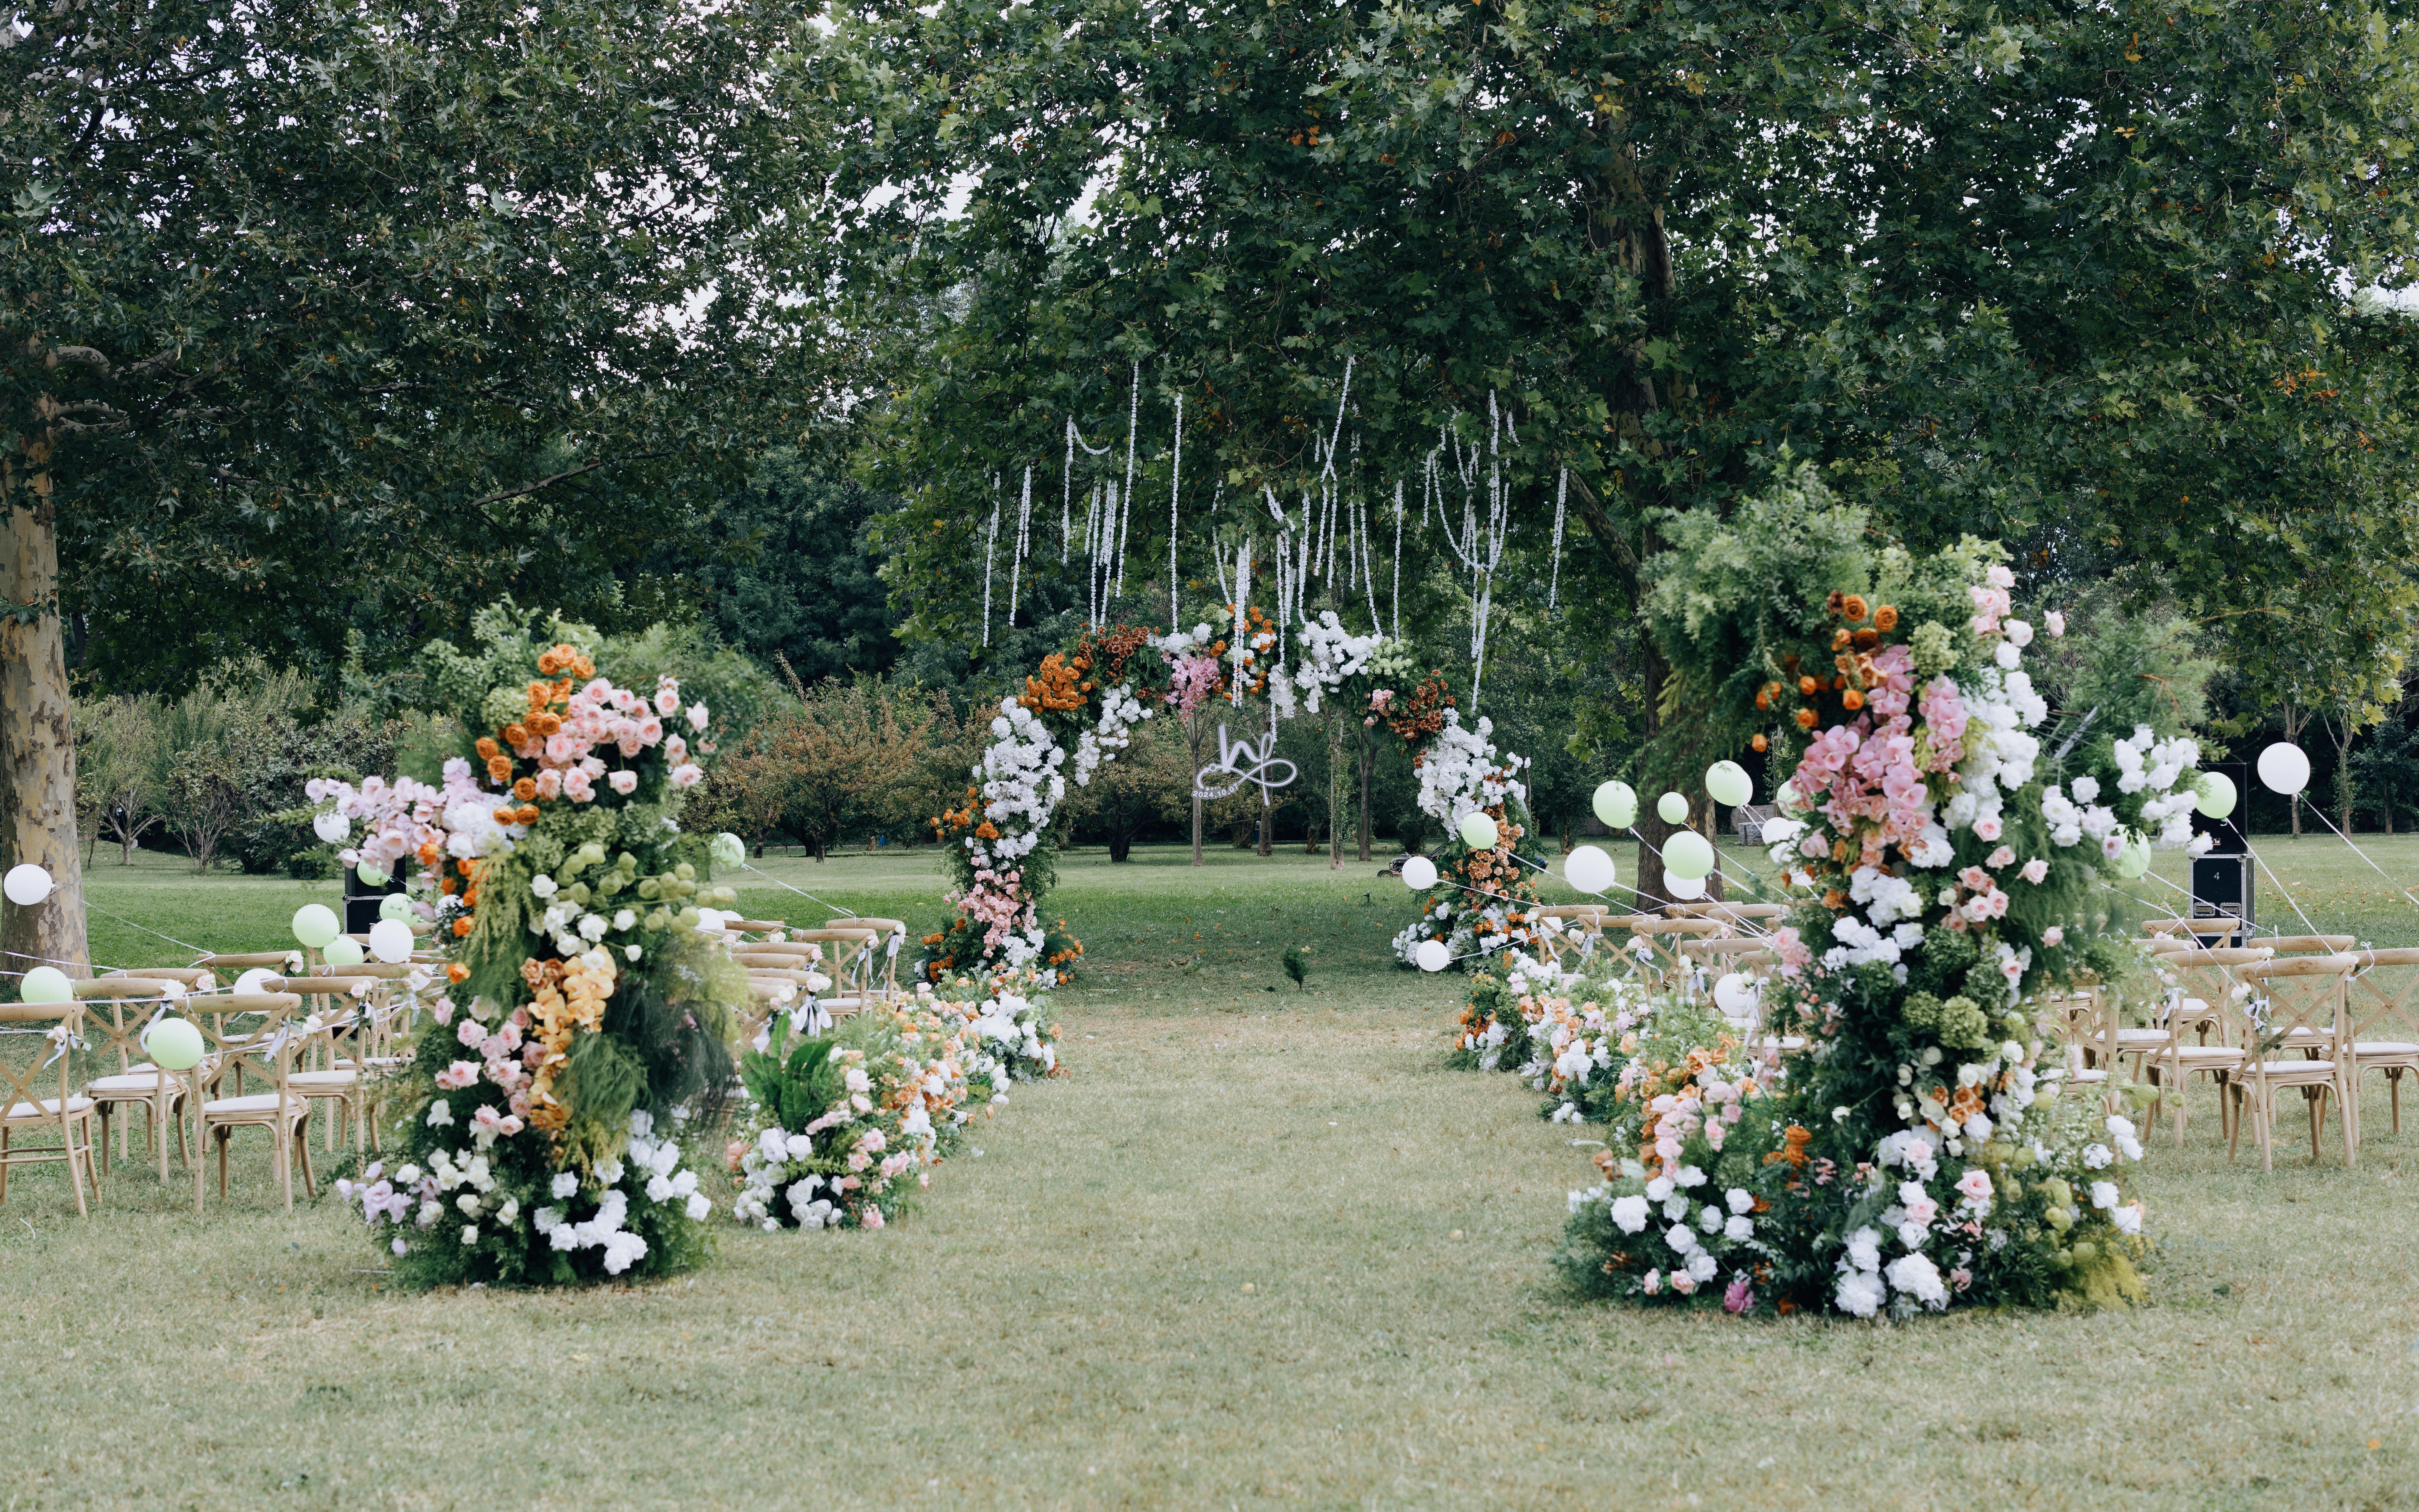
{"points": [[1703, 1237], [1020, 781], [1009, 1041], [1120, 711], [2146, 763], [1330, 653], [769, 1173], [1462, 772]]}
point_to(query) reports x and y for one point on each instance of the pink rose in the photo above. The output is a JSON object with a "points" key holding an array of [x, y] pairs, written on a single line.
{"points": [[675, 750], [2035, 870], [666, 701], [1987, 828], [577, 786], [697, 717], [549, 785], [457, 1075], [650, 731], [1652, 1283], [688, 774], [624, 782], [2002, 857], [2054, 936], [873, 1218], [469, 1031], [1975, 1184], [2056, 621]]}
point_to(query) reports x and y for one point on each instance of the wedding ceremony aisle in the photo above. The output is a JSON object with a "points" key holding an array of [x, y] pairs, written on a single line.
{"points": [[1259, 1247]]}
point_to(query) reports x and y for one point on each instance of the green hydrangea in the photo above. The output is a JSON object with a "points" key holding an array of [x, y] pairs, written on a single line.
{"points": [[1936, 648]]}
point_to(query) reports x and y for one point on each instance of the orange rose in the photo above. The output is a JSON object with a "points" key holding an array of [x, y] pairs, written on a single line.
{"points": [[525, 789], [461, 928], [500, 767], [457, 972], [515, 735], [1884, 618], [1853, 608], [486, 748], [1806, 719]]}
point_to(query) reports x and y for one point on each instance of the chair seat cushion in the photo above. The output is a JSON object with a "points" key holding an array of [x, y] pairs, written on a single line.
{"points": [[133, 1080], [2138, 1037], [2385, 1047], [320, 1081], [2205, 1052], [2292, 1068], [240, 1107], [50, 1109]]}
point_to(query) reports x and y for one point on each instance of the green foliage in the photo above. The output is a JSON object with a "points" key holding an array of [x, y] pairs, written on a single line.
{"points": [[355, 310], [1297, 965]]}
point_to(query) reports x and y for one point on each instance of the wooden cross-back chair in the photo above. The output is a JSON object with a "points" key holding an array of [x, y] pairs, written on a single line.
{"points": [[337, 1035], [2198, 1038], [1753, 918], [36, 1098], [2219, 932], [2296, 1000], [2078, 1017], [2382, 1022], [261, 1033], [1653, 954], [127, 1007], [893, 936], [848, 960], [1581, 926], [1716, 955]]}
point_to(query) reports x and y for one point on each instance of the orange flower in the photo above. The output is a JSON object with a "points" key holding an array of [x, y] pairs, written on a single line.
{"points": [[1852, 700], [528, 814], [1759, 741], [461, 928], [545, 723], [525, 789], [516, 735], [486, 748], [503, 816], [1806, 719], [457, 972], [1808, 687], [1884, 618], [1853, 608], [500, 767]]}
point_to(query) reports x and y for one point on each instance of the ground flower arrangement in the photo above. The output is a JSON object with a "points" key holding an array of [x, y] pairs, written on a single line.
{"points": [[583, 1030], [843, 1130], [1911, 1151], [1483, 901]]}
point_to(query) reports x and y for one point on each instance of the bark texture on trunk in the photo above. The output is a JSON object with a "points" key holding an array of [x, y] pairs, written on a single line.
{"points": [[37, 814], [1335, 790]]}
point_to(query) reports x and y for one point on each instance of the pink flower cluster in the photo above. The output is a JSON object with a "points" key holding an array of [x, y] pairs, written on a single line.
{"points": [[1191, 681], [1944, 719], [995, 900], [599, 716], [1865, 782], [1991, 603]]}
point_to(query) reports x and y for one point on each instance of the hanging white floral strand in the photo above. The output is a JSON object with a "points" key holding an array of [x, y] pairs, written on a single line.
{"points": [[1134, 414], [1398, 559], [1174, 485], [1554, 584], [991, 552], [1024, 540]]}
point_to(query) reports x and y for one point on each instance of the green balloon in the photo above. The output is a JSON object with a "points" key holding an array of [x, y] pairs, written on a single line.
{"points": [[1728, 784], [2134, 859], [395, 906], [1616, 804], [1687, 856], [344, 950], [1478, 832], [370, 873], [1674, 808], [2217, 794], [314, 925], [728, 850], [46, 984], [174, 1044]]}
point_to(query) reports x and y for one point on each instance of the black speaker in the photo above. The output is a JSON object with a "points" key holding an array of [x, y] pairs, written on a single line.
{"points": [[2221, 886], [361, 900]]}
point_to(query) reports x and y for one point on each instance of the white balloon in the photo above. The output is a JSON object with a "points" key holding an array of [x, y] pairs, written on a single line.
{"points": [[1432, 955], [2283, 767], [26, 885], [255, 980], [709, 920], [1683, 889], [331, 826], [1419, 873], [1589, 870], [391, 941], [1734, 995]]}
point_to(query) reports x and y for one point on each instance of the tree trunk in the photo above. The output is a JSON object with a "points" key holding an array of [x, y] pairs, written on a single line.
{"points": [[37, 811], [2295, 720], [1368, 759], [1267, 829], [1712, 832], [1335, 789], [1196, 726]]}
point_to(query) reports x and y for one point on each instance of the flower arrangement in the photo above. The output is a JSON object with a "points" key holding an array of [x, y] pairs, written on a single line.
{"points": [[836, 1125], [1914, 1156], [585, 1017], [1494, 907]]}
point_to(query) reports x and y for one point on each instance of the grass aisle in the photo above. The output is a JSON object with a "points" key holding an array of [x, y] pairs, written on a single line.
{"points": [[1217, 1266]]}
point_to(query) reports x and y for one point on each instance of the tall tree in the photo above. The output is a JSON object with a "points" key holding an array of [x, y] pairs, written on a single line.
{"points": [[2075, 276], [316, 319]]}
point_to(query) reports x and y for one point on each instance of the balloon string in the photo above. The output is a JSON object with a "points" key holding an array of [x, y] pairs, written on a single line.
{"points": [[802, 893], [2363, 854], [91, 907]]}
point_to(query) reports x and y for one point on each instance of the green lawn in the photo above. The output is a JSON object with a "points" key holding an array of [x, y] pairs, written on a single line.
{"points": [[1260, 1249]]}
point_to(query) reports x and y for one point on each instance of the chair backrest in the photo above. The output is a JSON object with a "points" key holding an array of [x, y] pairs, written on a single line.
{"points": [[134, 1004], [848, 954], [198, 979], [2201, 929], [2381, 995], [1726, 913], [32, 1079], [258, 1032], [2294, 993], [2215, 978], [2309, 944], [245, 960]]}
